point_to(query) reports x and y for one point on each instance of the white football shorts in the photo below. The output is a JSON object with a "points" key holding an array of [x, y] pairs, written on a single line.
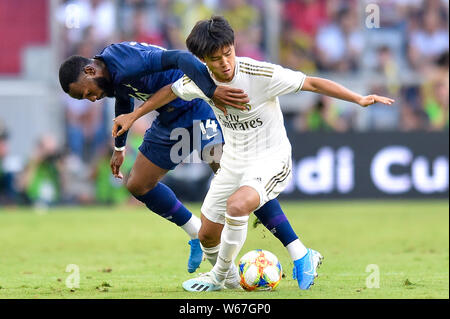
{"points": [[269, 177]]}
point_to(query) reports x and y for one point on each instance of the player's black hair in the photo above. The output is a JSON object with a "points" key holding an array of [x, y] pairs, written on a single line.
{"points": [[70, 70], [210, 35]]}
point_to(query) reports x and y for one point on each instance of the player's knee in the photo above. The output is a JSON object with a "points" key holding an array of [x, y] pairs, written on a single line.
{"points": [[236, 207], [208, 239], [137, 188], [133, 187]]}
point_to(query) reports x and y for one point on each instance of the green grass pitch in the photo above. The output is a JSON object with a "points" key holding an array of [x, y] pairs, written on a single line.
{"points": [[127, 252]]}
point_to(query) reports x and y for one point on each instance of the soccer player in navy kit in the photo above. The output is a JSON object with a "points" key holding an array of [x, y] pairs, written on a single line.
{"points": [[137, 70]]}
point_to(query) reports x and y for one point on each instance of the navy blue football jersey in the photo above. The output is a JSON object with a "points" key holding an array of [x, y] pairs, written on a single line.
{"points": [[138, 70]]}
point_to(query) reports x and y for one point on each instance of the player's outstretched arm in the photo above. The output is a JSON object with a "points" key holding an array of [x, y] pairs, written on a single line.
{"points": [[123, 122], [333, 89]]}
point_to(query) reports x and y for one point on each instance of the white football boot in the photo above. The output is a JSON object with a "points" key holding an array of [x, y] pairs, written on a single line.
{"points": [[204, 282]]}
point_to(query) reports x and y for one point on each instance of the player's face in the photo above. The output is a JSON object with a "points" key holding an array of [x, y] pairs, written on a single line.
{"points": [[222, 63], [92, 86]]}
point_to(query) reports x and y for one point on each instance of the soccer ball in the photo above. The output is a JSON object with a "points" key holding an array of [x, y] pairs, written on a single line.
{"points": [[259, 270]]}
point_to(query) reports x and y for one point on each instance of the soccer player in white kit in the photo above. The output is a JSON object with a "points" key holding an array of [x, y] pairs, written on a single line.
{"points": [[255, 165], [256, 160]]}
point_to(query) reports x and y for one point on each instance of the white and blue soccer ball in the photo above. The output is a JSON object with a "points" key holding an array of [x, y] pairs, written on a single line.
{"points": [[259, 270]]}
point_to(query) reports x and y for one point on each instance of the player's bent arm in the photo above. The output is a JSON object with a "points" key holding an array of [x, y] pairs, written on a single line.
{"points": [[123, 105], [157, 100], [198, 73], [125, 121], [187, 90], [190, 66], [336, 90], [162, 97]]}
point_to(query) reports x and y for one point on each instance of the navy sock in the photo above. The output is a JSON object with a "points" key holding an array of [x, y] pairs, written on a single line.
{"points": [[272, 217], [163, 201]]}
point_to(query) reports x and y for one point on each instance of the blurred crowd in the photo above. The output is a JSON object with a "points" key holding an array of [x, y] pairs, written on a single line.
{"points": [[401, 53], [405, 57]]}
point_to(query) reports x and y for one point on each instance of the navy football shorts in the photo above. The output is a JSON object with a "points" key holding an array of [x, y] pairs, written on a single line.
{"points": [[169, 147]]}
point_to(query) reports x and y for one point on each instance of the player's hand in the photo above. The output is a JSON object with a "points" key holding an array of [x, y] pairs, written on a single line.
{"points": [[372, 99], [122, 123], [226, 96], [115, 163]]}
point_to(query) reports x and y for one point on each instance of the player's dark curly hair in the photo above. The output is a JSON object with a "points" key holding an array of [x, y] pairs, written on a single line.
{"points": [[210, 35], [70, 70]]}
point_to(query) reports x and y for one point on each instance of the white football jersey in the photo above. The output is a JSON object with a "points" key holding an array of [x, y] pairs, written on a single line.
{"points": [[258, 132]]}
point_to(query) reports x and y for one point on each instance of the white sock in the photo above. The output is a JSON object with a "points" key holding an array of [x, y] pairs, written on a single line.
{"points": [[296, 249], [192, 227], [232, 239], [211, 253]]}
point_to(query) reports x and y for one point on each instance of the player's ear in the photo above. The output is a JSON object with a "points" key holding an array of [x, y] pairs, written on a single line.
{"points": [[89, 70]]}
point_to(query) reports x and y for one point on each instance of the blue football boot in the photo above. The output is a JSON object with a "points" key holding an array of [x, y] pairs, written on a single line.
{"points": [[195, 256], [305, 269]]}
